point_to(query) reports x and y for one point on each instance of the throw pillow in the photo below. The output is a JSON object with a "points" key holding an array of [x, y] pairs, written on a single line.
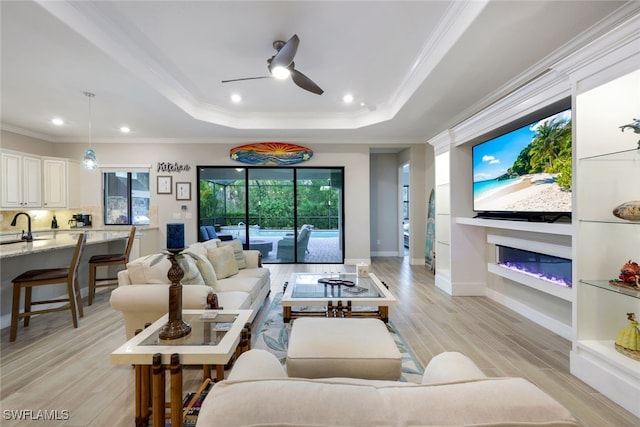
{"points": [[238, 253], [196, 248], [223, 261], [150, 269], [153, 269], [192, 274], [206, 269]]}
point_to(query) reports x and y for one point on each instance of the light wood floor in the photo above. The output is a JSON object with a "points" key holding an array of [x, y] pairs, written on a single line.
{"points": [[52, 366]]}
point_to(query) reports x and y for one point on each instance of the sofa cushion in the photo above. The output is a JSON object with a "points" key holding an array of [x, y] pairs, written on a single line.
{"points": [[234, 300], [261, 273], [238, 253], [223, 261], [250, 285], [153, 269]]}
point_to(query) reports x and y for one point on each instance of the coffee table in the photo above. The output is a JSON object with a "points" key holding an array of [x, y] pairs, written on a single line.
{"points": [[212, 341], [304, 290]]}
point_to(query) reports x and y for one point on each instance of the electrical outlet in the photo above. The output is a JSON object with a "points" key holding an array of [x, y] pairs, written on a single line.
{"points": [[176, 215], [188, 215]]}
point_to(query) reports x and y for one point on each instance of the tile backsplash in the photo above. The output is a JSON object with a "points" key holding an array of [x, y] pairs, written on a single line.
{"points": [[40, 219]]}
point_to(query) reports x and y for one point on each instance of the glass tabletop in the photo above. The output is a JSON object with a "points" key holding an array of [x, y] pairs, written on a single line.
{"points": [[207, 328], [343, 285]]}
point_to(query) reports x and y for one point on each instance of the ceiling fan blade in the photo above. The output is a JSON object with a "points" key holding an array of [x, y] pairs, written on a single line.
{"points": [[305, 82], [285, 55], [247, 78]]}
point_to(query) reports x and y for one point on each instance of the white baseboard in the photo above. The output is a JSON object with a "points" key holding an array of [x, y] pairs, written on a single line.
{"points": [[385, 253], [555, 326]]}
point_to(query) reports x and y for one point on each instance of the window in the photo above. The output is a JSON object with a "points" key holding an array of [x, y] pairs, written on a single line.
{"points": [[289, 214], [126, 198]]}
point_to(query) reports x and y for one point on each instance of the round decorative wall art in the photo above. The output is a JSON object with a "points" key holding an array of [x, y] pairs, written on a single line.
{"points": [[271, 154], [628, 210]]}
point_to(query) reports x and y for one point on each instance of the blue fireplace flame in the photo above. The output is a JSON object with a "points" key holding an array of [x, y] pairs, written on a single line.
{"points": [[550, 268]]}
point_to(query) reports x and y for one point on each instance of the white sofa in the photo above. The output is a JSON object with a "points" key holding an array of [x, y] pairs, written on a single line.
{"points": [[454, 392], [142, 294]]}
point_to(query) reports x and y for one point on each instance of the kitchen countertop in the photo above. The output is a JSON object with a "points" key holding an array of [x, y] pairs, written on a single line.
{"points": [[53, 240]]}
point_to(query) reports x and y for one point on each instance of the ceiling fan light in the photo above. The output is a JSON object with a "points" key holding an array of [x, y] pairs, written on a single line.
{"points": [[280, 72]]}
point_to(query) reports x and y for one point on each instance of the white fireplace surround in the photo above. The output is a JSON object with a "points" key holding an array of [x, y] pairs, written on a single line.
{"points": [[541, 247]]}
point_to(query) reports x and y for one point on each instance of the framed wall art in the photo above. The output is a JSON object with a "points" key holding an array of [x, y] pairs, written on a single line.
{"points": [[183, 191], [164, 185]]}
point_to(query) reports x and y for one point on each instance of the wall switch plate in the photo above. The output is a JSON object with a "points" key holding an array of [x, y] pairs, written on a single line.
{"points": [[176, 215]]}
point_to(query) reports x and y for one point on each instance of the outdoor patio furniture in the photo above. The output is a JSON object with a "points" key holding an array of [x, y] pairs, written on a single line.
{"points": [[208, 232], [286, 245]]}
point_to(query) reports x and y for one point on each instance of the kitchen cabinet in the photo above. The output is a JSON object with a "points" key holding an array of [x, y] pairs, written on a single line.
{"points": [[21, 185], [30, 181], [54, 183]]}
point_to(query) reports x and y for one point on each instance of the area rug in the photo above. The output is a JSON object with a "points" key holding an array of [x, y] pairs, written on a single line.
{"points": [[273, 336]]}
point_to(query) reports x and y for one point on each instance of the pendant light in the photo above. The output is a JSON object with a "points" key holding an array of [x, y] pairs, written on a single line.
{"points": [[89, 161]]}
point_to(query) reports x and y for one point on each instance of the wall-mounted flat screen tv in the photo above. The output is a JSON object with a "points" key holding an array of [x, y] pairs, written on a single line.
{"points": [[525, 174]]}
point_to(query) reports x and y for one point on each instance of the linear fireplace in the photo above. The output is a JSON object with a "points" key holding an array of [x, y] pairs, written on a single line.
{"points": [[552, 269]]}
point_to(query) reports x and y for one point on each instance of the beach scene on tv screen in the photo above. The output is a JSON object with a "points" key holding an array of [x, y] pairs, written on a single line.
{"points": [[526, 170]]}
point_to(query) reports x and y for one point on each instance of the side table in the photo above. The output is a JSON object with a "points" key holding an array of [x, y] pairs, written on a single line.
{"points": [[216, 338]]}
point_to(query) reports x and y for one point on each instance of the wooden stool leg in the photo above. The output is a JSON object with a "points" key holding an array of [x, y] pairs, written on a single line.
{"points": [[92, 282], [72, 304], [15, 309], [78, 296], [27, 305]]}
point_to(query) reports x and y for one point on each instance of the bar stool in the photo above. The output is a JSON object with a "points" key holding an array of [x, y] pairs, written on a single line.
{"points": [[108, 260], [48, 276]]}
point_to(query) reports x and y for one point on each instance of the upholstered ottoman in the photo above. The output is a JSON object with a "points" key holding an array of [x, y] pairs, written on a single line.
{"points": [[342, 347]]}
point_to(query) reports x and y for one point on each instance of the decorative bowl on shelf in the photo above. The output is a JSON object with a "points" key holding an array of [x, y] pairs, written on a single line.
{"points": [[629, 211]]}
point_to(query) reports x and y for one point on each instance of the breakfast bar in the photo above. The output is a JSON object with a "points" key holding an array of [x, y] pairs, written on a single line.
{"points": [[50, 249]]}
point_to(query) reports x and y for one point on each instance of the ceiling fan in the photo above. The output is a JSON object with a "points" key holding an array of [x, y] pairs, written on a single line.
{"points": [[281, 66]]}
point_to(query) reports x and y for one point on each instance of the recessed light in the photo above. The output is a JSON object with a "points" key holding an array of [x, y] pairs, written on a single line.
{"points": [[57, 121], [348, 98], [125, 129], [236, 98]]}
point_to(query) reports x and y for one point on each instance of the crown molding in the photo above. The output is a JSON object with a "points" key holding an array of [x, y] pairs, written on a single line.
{"points": [[442, 142]]}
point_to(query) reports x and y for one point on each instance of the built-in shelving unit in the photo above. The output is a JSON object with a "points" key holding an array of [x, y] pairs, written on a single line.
{"points": [[564, 229], [607, 174]]}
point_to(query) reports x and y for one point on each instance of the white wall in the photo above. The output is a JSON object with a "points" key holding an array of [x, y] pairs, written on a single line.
{"points": [[354, 157]]}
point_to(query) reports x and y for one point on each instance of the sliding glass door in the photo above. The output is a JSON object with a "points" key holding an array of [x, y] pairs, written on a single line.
{"points": [[291, 215]]}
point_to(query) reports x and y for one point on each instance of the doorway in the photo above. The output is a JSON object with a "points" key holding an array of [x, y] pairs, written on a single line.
{"points": [[404, 192], [290, 214]]}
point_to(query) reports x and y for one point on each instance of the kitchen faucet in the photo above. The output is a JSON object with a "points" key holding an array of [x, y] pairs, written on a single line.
{"points": [[28, 237]]}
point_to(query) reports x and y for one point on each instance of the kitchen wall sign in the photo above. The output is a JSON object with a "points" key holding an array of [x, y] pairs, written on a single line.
{"points": [[172, 167]]}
